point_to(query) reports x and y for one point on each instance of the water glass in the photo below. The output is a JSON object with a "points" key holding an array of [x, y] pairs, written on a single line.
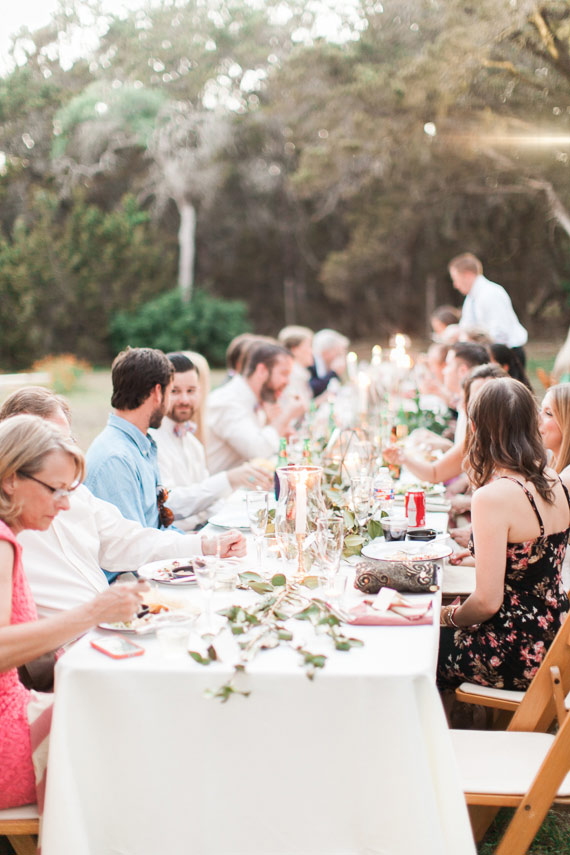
{"points": [[394, 527], [257, 512], [361, 488], [205, 571], [330, 543]]}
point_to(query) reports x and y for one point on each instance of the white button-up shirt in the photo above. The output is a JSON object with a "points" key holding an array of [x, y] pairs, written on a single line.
{"points": [[63, 564], [191, 488], [235, 433], [488, 307]]}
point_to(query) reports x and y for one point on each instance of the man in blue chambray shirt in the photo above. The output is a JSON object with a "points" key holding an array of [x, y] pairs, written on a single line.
{"points": [[122, 463]]}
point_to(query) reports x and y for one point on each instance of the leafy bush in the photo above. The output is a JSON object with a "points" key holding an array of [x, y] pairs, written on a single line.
{"points": [[206, 324]]}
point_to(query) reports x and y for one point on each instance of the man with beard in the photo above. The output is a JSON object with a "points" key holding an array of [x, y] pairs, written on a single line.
{"points": [[244, 417], [181, 459], [122, 463]]}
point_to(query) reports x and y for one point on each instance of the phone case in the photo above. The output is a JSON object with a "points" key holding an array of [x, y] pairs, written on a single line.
{"points": [[117, 647]]}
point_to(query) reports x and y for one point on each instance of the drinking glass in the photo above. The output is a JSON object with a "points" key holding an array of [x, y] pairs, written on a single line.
{"points": [[361, 489], [330, 542], [205, 567], [257, 511], [394, 527]]}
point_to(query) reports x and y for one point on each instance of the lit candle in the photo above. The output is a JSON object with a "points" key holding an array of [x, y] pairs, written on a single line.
{"points": [[363, 384], [351, 365], [400, 341], [376, 355], [301, 504]]}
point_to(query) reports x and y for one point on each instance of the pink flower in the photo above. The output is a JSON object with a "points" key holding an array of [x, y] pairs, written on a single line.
{"points": [[495, 661]]}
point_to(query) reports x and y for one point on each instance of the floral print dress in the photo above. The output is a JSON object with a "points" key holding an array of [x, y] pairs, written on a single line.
{"points": [[506, 650]]}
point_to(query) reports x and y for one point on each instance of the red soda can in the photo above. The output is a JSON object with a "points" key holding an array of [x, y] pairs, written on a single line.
{"points": [[416, 508]]}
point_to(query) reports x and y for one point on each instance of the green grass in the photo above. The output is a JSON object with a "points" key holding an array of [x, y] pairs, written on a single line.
{"points": [[553, 837]]}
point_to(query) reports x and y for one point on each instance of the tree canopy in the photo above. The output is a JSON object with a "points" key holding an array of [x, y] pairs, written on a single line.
{"points": [[327, 166]]}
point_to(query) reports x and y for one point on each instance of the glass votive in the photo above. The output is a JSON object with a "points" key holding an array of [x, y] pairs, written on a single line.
{"points": [[173, 641], [395, 527]]}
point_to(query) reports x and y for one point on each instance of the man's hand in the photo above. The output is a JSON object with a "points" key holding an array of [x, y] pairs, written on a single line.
{"points": [[232, 544]]}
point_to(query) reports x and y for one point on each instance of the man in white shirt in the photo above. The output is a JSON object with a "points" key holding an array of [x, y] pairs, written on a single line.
{"points": [[192, 491], [487, 305], [63, 564], [244, 418]]}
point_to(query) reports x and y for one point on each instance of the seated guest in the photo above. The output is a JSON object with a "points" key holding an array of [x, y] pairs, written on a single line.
{"points": [[235, 353], [521, 519], [181, 460], [508, 359], [64, 565], [442, 317], [329, 349], [299, 343], [554, 427], [203, 370], [561, 368], [122, 463], [450, 464], [244, 417], [39, 469]]}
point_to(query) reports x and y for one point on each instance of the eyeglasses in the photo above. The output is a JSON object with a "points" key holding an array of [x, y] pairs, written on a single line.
{"points": [[165, 515], [57, 492]]}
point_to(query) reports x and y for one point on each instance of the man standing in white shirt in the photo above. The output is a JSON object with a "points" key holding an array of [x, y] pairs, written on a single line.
{"points": [[181, 459], [63, 564], [487, 305], [244, 417]]}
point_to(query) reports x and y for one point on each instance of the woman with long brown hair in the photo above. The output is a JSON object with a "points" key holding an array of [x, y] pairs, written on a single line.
{"points": [[521, 520]]}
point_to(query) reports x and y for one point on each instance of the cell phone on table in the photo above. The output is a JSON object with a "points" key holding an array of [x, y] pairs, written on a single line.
{"points": [[117, 647]]}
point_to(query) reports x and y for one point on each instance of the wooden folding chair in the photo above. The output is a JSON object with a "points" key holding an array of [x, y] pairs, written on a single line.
{"points": [[20, 825], [524, 766], [545, 378]]}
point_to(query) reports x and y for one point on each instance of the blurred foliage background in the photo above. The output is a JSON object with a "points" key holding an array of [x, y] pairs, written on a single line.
{"points": [[317, 169]]}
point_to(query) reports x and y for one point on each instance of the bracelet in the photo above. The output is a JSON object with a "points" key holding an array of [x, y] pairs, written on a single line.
{"points": [[447, 615], [451, 615]]}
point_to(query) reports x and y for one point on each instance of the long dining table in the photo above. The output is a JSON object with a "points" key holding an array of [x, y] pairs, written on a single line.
{"points": [[356, 761]]}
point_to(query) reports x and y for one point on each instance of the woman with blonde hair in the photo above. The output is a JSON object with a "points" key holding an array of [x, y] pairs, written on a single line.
{"points": [[39, 468], [521, 520], [554, 424], [203, 369]]}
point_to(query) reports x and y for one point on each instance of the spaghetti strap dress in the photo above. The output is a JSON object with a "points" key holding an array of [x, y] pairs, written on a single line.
{"points": [[17, 780], [506, 651]]}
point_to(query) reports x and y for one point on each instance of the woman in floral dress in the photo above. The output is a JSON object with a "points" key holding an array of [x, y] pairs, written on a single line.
{"points": [[521, 521]]}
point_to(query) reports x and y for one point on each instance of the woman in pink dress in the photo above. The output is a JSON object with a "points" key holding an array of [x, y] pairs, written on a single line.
{"points": [[39, 467]]}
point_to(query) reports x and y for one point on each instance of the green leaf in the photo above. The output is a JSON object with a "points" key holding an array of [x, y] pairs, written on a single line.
{"points": [[237, 629], [309, 613], [329, 620], [342, 644], [250, 576], [212, 653], [279, 580], [197, 657], [261, 587], [353, 545], [356, 642], [284, 634], [311, 582], [374, 529]]}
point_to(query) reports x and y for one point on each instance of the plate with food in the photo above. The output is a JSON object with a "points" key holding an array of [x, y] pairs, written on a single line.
{"points": [[178, 571], [406, 550], [153, 615]]}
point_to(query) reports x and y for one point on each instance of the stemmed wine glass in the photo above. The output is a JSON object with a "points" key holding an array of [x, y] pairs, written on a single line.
{"points": [[361, 489], [257, 512], [330, 543], [205, 571]]}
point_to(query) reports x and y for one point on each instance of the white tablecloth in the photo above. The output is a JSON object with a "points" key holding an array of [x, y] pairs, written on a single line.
{"points": [[355, 762]]}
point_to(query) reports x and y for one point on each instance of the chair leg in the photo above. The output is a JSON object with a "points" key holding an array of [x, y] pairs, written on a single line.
{"points": [[501, 719], [24, 844], [481, 817]]}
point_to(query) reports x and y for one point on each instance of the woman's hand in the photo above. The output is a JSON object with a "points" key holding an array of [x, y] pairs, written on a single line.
{"points": [[120, 603], [393, 454], [460, 558], [248, 475], [461, 535]]}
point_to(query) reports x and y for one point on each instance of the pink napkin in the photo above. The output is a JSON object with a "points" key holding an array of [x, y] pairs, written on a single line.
{"points": [[392, 609]]}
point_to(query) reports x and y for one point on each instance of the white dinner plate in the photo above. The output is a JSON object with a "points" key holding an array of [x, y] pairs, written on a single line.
{"points": [[162, 571], [392, 551], [230, 519], [150, 623]]}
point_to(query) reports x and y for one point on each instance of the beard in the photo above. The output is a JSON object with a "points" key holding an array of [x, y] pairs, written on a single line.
{"points": [[156, 417], [267, 393], [180, 415]]}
